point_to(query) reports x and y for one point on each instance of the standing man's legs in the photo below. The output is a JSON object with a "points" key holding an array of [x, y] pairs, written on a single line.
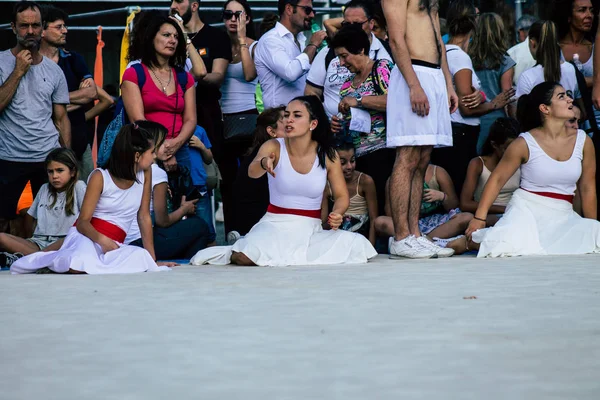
{"points": [[401, 182], [416, 192]]}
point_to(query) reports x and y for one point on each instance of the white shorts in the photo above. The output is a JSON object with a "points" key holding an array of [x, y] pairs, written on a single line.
{"points": [[406, 128]]}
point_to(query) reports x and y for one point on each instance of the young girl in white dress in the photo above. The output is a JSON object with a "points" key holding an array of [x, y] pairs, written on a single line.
{"points": [[114, 197], [53, 211], [290, 233], [554, 162]]}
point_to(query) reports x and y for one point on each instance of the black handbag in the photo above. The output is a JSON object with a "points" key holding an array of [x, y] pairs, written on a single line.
{"points": [[239, 126]]}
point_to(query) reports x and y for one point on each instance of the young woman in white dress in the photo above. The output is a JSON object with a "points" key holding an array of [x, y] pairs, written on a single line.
{"points": [[290, 233], [115, 196], [554, 162]]}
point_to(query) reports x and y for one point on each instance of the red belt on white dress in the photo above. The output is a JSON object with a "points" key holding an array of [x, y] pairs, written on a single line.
{"points": [[566, 197], [303, 213], [108, 229]]}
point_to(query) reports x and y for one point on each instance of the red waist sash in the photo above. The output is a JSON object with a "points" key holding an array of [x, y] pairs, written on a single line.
{"points": [[108, 229], [303, 213], [566, 197]]}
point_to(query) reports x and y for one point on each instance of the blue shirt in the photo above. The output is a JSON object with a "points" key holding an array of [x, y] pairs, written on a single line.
{"points": [[198, 173]]}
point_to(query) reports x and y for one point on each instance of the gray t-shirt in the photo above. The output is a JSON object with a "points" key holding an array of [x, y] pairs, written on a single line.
{"points": [[53, 221], [27, 132]]}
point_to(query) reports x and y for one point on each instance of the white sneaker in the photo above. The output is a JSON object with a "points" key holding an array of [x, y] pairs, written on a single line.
{"points": [[441, 252], [233, 237], [408, 247], [219, 214], [444, 242]]}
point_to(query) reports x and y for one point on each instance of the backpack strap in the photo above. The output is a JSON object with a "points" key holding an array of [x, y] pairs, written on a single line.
{"points": [[182, 78], [141, 75], [587, 100], [388, 48]]}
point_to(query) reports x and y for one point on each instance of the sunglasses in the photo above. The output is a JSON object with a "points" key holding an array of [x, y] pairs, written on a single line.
{"points": [[228, 14], [308, 10], [346, 23]]}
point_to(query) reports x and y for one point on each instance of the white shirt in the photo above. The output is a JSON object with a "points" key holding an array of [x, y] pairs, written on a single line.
{"points": [[534, 76], [522, 56], [281, 66], [52, 220], [237, 94], [457, 61], [331, 80], [158, 176]]}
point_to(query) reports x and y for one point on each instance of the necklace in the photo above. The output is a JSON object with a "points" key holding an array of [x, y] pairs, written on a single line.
{"points": [[164, 87]]}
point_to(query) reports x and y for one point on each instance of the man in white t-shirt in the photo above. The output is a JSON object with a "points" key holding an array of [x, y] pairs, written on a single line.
{"points": [[520, 53], [326, 76]]}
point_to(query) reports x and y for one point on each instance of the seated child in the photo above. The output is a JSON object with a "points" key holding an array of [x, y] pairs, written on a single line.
{"points": [[362, 211], [55, 209]]}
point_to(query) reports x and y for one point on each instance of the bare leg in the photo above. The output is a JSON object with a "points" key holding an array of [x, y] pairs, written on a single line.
{"points": [[461, 246], [241, 259], [456, 226], [416, 190], [384, 226], [15, 244], [407, 160]]}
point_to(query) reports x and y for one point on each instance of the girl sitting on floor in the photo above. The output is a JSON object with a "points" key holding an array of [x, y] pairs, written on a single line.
{"points": [[362, 212], [502, 133], [53, 211], [113, 199]]}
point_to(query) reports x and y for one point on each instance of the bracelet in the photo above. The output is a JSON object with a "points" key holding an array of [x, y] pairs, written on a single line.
{"points": [[261, 164], [444, 199], [312, 44], [479, 219]]}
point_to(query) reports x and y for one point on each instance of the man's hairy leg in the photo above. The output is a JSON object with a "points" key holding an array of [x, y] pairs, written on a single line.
{"points": [[407, 161], [416, 190]]}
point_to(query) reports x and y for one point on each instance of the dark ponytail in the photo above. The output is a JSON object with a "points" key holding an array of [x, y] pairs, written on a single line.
{"points": [[548, 52], [322, 133], [528, 107]]}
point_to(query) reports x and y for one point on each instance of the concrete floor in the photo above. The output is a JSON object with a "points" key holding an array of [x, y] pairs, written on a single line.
{"points": [[387, 330]]}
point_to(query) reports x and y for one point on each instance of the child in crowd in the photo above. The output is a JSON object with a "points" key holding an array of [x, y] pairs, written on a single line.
{"points": [[179, 234], [439, 216], [362, 211], [502, 133], [55, 209], [113, 199], [201, 154]]}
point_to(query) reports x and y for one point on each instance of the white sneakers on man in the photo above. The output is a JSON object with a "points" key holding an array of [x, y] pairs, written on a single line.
{"points": [[417, 248]]}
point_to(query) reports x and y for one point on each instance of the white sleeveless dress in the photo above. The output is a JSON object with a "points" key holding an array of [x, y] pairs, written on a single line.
{"points": [[116, 206], [279, 240], [540, 225]]}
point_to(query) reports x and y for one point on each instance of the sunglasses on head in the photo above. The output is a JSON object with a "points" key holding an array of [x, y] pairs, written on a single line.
{"points": [[228, 14], [308, 10], [346, 23]]}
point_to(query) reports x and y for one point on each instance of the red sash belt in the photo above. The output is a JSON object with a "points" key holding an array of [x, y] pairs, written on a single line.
{"points": [[566, 197], [108, 229], [303, 213]]}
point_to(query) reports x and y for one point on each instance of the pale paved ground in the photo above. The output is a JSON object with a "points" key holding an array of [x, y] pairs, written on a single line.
{"points": [[387, 330]]}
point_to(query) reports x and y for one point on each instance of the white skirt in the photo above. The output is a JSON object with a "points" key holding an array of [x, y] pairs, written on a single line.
{"points": [[406, 128], [538, 225], [279, 240], [80, 253]]}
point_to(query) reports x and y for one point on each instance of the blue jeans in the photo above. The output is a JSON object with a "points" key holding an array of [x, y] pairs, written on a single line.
{"points": [[182, 240], [205, 212]]}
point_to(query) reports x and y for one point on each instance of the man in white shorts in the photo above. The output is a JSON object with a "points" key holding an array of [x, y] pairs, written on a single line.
{"points": [[420, 99]]}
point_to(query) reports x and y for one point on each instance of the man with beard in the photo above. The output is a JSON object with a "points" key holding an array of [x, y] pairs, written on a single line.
{"points": [[215, 48], [33, 112], [282, 58], [82, 89]]}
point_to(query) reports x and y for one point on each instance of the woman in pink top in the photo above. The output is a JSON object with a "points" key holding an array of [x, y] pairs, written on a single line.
{"points": [[162, 98]]}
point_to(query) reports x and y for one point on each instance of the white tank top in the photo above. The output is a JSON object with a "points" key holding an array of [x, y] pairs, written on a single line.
{"points": [[119, 206], [541, 173], [237, 94], [290, 189]]}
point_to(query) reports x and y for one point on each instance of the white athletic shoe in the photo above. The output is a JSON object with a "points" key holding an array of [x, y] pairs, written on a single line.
{"points": [[233, 237], [409, 247], [444, 242], [441, 252]]}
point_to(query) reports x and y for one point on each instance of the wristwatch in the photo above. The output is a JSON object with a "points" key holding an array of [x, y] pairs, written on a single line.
{"points": [[359, 100], [188, 41]]}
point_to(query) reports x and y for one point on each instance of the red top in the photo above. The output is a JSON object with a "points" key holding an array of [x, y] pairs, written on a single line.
{"points": [[158, 107]]}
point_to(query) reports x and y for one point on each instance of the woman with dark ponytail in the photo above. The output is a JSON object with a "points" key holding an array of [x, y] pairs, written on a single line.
{"points": [[554, 162], [299, 165], [543, 44]]}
